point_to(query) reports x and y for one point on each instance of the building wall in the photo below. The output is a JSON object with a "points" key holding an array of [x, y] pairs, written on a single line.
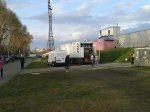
{"points": [[111, 31], [135, 39], [103, 44], [142, 56]]}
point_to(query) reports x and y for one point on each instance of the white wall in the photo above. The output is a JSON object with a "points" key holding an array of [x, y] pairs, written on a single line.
{"points": [[114, 31]]}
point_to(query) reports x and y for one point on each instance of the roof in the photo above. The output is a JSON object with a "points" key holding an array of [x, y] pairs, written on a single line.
{"points": [[135, 32], [106, 38], [110, 27], [86, 41], [142, 48]]}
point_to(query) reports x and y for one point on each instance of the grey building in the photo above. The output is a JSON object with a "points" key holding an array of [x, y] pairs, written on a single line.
{"points": [[135, 39]]}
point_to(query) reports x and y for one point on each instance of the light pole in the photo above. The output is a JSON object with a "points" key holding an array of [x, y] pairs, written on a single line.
{"points": [[99, 48]]}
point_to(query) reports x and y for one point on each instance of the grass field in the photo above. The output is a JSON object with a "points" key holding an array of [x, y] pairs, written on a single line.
{"points": [[38, 63], [116, 55], [113, 90]]}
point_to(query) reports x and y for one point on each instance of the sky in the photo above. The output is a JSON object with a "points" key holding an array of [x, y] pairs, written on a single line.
{"points": [[76, 20]]}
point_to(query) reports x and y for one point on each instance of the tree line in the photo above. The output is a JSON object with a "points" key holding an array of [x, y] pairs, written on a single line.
{"points": [[14, 36]]}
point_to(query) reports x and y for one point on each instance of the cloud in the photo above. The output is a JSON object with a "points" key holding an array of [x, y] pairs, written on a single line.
{"points": [[74, 26], [135, 21], [39, 43], [20, 6], [75, 20], [70, 33], [40, 17], [137, 27], [142, 14]]}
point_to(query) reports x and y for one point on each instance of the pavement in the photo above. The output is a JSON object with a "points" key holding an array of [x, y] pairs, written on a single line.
{"points": [[13, 69], [81, 67]]}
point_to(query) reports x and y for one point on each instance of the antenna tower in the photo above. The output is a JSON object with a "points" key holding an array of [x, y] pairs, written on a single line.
{"points": [[50, 42]]}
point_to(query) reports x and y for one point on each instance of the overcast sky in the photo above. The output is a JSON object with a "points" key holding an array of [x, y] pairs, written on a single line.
{"points": [[76, 20]]}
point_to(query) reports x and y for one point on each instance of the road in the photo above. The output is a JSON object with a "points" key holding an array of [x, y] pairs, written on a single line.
{"points": [[12, 69], [81, 67]]}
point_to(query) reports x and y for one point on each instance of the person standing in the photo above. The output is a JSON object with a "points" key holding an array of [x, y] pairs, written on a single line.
{"points": [[96, 60], [22, 61], [92, 59], [132, 58], [1, 66], [67, 60]]}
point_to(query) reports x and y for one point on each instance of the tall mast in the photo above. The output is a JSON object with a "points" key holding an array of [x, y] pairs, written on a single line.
{"points": [[50, 42]]}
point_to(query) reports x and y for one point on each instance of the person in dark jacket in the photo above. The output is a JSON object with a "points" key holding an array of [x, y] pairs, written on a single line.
{"points": [[1, 66], [22, 61], [67, 60], [132, 58]]}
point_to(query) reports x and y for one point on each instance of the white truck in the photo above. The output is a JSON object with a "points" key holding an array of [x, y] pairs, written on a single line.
{"points": [[79, 52], [56, 57]]}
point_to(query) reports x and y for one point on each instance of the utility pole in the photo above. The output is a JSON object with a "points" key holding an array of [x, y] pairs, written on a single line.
{"points": [[99, 43], [50, 42]]}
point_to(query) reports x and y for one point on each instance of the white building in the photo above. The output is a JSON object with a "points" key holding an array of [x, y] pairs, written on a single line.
{"points": [[111, 31]]}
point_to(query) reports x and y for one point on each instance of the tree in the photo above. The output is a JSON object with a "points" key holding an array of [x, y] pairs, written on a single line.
{"points": [[12, 29]]}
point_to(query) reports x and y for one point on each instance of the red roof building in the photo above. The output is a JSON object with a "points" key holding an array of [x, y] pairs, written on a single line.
{"points": [[104, 43]]}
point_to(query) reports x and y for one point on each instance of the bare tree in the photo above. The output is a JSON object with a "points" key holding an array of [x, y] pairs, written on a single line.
{"points": [[12, 29]]}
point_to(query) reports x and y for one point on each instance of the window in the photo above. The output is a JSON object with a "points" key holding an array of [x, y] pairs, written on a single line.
{"points": [[137, 54], [100, 32], [145, 54]]}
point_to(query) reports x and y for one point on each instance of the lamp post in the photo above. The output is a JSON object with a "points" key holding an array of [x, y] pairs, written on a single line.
{"points": [[99, 48]]}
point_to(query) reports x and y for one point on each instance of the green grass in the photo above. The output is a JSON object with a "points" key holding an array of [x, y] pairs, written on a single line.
{"points": [[38, 63], [116, 55], [113, 90]]}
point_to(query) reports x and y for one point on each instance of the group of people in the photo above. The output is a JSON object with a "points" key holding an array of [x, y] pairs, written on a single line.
{"points": [[94, 59], [22, 61]]}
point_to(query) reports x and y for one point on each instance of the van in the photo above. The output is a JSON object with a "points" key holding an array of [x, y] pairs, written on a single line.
{"points": [[56, 57]]}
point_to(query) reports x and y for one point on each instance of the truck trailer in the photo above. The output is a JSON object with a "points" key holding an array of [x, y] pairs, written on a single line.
{"points": [[80, 52]]}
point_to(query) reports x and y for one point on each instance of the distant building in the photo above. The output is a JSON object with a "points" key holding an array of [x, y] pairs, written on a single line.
{"points": [[134, 39], [104, 43], [113, 32], [107, 38]]}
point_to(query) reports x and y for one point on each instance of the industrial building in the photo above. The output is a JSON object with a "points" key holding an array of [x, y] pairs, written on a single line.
{"points": [[135, 39], [107, 38]]}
